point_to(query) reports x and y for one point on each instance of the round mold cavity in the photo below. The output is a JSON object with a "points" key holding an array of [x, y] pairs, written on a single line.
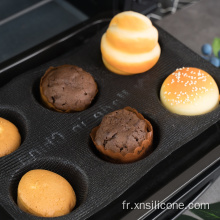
{"points": [[37, 96], [17, 119], [156, 132], [158, 88], [159, 84], [36, 91], [73, 174], [156, 140]]}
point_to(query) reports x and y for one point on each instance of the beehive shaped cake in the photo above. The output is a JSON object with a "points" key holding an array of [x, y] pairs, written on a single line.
{"points": [[130, 44]]}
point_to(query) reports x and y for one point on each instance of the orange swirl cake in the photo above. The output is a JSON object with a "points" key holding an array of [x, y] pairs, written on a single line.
{"points": [[130, 44]]}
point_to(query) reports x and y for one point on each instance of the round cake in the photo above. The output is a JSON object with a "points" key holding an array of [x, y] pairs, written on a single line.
{"points": [[67, 88], [130, 44], [189, 91], [123, 136], [45, 193], [10, 138]]}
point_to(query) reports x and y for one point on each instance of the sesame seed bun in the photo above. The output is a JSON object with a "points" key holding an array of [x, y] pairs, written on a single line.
{"points": [[189, 91]]}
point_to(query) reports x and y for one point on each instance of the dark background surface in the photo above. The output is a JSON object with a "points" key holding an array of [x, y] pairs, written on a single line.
{"points": [[41, 20]]}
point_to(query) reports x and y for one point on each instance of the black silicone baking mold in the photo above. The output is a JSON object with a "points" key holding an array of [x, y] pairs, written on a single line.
{"points": [[60, 142]]}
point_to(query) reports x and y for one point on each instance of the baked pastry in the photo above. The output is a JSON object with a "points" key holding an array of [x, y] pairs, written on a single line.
{"points": [[67, 88], [10, 138], [130, 44], [45, 193], [123, 136], [189, 91]]}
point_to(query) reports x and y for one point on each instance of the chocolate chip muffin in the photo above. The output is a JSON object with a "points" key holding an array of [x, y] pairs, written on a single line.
{"points": [[123, 136], [67, 88]]}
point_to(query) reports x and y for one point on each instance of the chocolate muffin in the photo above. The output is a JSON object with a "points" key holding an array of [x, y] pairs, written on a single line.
{"points": [[67, 88], [123, 136]]}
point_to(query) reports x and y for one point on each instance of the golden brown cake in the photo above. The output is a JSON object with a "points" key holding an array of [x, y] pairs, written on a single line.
{"points": [[45, 193], [10, 138]]}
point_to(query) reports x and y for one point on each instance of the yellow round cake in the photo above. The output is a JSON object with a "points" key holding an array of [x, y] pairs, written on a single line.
{"points": [[45, 193], [10, 138]]}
